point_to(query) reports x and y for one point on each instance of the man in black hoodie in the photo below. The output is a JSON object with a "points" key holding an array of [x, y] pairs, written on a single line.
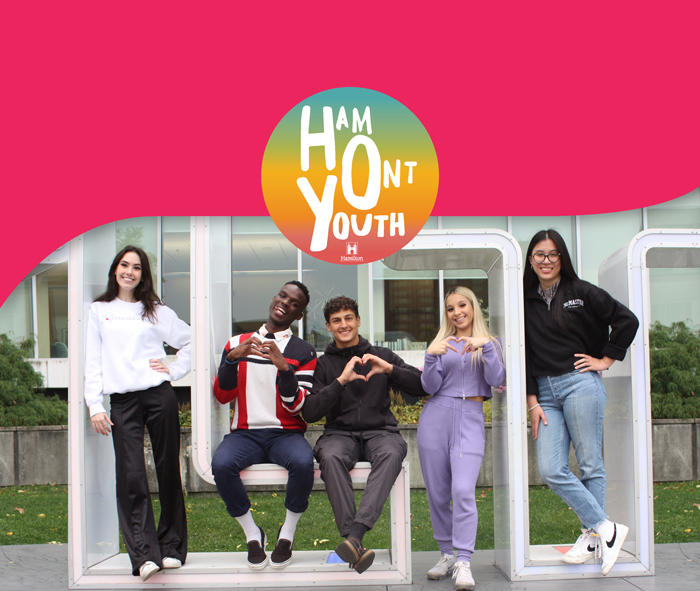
{"points": [[351, 390]]}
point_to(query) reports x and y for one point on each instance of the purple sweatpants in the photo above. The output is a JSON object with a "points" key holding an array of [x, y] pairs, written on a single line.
{"points": [[451, 443]]}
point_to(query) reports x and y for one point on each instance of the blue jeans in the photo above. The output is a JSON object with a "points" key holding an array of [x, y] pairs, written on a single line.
{"points": [[575, 406], [244, 447]]}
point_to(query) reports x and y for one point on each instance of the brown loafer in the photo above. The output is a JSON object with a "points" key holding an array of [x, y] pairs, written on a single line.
{"points": [[357, 556]]}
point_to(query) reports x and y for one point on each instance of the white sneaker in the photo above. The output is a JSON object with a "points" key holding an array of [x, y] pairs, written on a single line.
{"points": [[583, 550], [170, 562], [147, 570], [462, 574], [442, 568], [612, 536]]}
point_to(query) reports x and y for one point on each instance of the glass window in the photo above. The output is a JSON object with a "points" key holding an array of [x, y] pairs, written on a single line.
{"points": [[16, 313], [432, 223], [474, 222], [602, 235], [175, 290], [675, 296], [675, 292], [406, 307], [262, 261], [326, 281], [683, 212], [405, 304], [52, 311], [524, 228]]}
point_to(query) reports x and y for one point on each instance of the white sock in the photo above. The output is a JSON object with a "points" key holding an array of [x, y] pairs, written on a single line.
{"points": [[290, 526], [251, 530]]}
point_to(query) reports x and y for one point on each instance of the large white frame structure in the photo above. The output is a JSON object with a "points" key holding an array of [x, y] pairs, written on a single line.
{"points": [[94, 559], [628, 415], [211, 292], [498, 254], [625, 275]]}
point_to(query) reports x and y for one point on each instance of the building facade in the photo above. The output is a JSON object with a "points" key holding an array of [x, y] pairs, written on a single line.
{"points": [[399, 309]]}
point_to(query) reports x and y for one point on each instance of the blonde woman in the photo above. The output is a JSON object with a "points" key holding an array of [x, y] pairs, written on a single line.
{"points": [[461, 365]]}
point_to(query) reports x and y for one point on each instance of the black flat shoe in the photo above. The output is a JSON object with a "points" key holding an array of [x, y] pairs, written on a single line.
{"points": [[282, 554], [257, 559]]}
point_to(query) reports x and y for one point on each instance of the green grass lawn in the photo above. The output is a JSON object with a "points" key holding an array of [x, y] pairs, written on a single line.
{"points": [[34, 514], [38, 515]]}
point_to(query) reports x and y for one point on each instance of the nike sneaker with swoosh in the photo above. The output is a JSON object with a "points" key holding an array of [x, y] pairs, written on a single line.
{"points": [[612, 536], [583, 550]]}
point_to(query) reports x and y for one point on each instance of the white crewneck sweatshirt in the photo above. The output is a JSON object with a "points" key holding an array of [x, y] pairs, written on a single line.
{"points": [[119, 345]]}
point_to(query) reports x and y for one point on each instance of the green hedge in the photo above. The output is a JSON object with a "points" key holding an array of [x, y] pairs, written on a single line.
{"points": [[406, 414], [675, 371], [675, 382], [22, 402]]}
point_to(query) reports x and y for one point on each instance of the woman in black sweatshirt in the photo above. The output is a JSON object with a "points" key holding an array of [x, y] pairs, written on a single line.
{"points": [[573, 331]]}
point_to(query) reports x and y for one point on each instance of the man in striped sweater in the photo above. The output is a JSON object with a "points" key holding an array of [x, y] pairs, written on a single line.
{"points": [[267, 375]]}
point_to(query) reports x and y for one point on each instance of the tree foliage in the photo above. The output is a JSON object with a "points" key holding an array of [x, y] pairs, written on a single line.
{"points": [[22, 402], [675, 379]]}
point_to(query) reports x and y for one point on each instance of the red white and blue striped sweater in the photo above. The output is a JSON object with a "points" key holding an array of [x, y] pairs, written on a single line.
{"points": [[265, 398]]}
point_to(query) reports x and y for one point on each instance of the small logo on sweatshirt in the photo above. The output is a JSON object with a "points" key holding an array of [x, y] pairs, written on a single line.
{"points": [[573, 304], [119, 318]]}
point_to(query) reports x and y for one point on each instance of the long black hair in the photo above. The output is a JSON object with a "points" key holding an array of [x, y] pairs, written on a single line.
{"points": [[143, 292], [530, 278]]}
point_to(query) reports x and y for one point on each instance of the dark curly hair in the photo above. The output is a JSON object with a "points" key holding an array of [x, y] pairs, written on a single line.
{"points": [[338, 304], [303, 288]]}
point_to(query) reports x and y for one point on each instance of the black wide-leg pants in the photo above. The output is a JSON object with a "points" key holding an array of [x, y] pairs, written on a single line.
{"points": [[156, 408]]}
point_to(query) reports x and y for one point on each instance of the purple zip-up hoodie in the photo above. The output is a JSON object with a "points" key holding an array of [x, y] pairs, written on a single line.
{"points": [[452, 374]]}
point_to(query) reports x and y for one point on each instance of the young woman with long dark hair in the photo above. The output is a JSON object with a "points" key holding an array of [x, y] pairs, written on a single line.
{"points": [[573, 331], [127, 326], [462, 364]]}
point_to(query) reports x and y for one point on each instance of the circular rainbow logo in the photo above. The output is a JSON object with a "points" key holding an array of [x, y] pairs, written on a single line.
{"points": [[350, 175]]}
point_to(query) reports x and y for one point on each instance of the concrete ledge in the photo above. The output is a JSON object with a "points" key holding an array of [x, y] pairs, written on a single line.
{"points": [[696, 450], [7, 457], [40, 456], [675, 438], [33, 456]]}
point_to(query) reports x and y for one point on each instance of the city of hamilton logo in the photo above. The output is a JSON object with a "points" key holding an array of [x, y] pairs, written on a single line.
{"points": [[351, 253], [350, 175]]}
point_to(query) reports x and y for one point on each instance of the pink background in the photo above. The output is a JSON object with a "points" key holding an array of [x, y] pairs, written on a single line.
{"points": [[126, 109]]}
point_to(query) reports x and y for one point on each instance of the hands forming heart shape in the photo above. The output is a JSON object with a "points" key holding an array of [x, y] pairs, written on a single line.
{"points": [[467, 343], [470, 344], [377, 365]]}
